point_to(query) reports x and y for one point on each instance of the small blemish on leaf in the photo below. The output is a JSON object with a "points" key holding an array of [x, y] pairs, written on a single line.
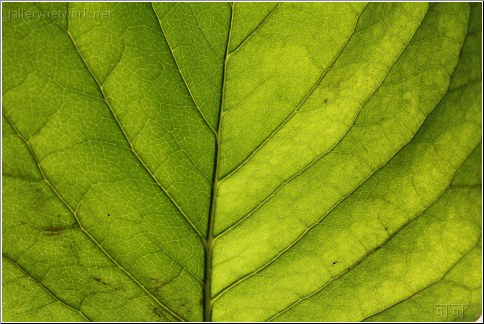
{"points": [[158, 284], [334, 262], [158, 313], [53, 230], [99, 280], [109, 214]]}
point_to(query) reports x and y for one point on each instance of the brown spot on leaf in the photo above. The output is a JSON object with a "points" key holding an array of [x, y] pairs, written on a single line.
{"points": [[184, 303], [158, 284], [53, 230], [159, 313], [100, 280]]}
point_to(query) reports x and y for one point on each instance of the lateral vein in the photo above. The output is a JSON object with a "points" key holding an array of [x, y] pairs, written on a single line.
{"points": [[179, 70], [299, 105], [441, 279], [125, 135], [44, 287], [372, 251], [84, 230]]}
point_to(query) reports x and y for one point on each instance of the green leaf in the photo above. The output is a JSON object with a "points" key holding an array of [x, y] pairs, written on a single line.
{"points": [[241, 162]]}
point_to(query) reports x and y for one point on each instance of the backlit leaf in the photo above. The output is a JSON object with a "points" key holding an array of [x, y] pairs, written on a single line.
{"points": [[241, 161]]}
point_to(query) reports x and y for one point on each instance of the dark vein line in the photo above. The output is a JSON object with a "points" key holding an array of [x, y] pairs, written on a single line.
{"points": [[84, 230], [373, 250], [207, 292], [441, 279], [39, 283], [300, 104], [263, 21], [180, 71], [135, 153]]}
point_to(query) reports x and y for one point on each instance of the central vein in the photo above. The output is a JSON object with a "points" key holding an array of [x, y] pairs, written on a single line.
{"points": [[207, 284]]}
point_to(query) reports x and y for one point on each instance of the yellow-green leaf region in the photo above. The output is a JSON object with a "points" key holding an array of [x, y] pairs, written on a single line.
{"points": [[220, 161]]}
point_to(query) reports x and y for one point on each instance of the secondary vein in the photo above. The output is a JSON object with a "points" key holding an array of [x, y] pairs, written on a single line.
{"points": [[44, 287], [180, 71], [371, 252], [135, 153], [81, 226], [319, 157], [441, 279], [299, 105]]}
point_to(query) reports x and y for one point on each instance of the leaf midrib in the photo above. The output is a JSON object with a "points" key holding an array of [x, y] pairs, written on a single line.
{"points": [[207, 291]]}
